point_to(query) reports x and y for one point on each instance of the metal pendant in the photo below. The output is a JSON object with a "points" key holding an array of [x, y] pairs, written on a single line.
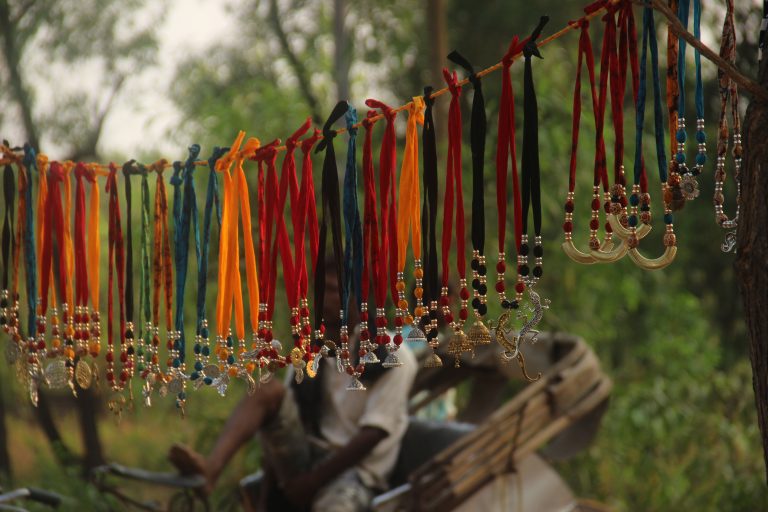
{"points": [[355, 385], [433, 361], [176, 386], [479, 334], [457, 345], [213, 371], [391, 360], [83, 374], [416, 334], [57, 375]]}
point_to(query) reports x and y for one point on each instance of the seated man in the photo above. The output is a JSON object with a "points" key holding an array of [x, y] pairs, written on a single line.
{"points": [[325, 448]]}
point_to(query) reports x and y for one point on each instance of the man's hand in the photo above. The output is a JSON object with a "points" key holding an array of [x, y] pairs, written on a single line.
{"points": [[301, 489]]}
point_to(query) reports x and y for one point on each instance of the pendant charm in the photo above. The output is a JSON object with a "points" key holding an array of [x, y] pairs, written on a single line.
{"points": [[176, 385], [146, 390], [391, 360], [313, 366], [689, 187], [479, 334], [116, 404], [729, 244], [537, 308], [433, 361], [212, 371], [355, 384], [416, 334], [56, 375], [83, 374], [457, 345]]}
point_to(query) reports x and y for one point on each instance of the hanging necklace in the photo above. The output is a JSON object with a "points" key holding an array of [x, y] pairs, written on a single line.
{"points": [[187, 215], [371, 248], [332, 216], [639, 198], [116, 259], [429, 232], [728, 91], [147, 350], [34, 348], [353, 257], [686, 176], [307, 199], [267, 204], [388, 236], [626, 54], [162, 275], [506, 152], [87, 327], [408, 221], [12, 240], [478, 334], [7, 238], [458, 342], [289, 183], [60, 372], [230, 288], [203, 372], [599, 175]]}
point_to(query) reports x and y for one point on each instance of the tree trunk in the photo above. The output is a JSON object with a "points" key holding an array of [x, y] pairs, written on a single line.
{"points": [[343, 51], [12, 57], [438, 47], [752, 249], [87, 404]]}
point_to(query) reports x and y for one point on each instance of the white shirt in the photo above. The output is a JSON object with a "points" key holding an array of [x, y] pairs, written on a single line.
{"points": [[383, 405]]}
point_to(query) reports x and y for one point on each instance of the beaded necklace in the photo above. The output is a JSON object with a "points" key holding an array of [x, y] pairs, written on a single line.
{"points": [[307, 199], [267, 199], [408, 221], [203, 372], [599, 175], [505, 152], [353, 257], [291, 274], [116, 259], [643, 199], [371, 248], [12, 240], [688, 185], [478, 334], [87, 328], [387, 236], [458, 342], [619, 58], [331, 219], [429, 232], [230, 288], [162, 276], [7, 240], [728, 91], [60, 372]]}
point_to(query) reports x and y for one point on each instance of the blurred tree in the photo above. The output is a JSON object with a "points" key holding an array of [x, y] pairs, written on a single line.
{"points": [[40, 39]]}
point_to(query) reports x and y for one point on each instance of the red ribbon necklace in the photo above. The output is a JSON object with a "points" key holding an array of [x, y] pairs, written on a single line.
{"points": [[116, 259], [55, 216], [454, 193], [388, 235]]}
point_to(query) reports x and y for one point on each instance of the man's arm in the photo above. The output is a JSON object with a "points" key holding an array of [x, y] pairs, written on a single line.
{"points": [[301, 489]]}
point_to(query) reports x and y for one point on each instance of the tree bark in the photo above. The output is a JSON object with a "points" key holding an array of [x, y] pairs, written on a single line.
{"points": [[342, 53], [438, 50], [87, 404], [12, 57], [752, 249], [298, 67]]}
